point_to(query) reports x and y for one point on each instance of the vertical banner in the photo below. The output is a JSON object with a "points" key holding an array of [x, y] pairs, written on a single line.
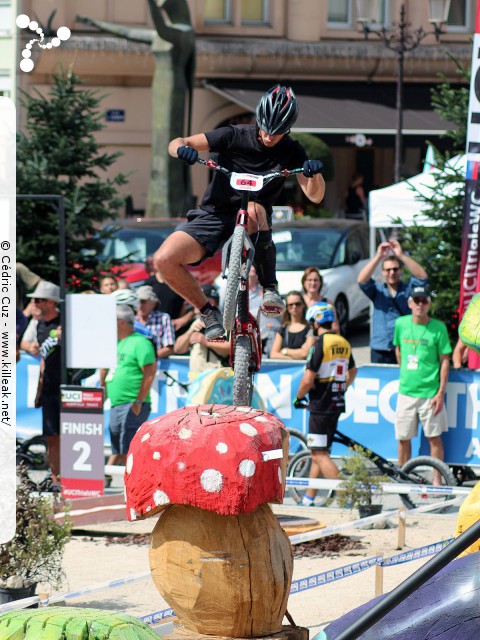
{"points": [[82, 460], [471, 214]]}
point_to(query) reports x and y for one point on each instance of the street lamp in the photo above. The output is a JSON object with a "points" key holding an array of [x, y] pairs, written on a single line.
{"points": [[400, 39]]}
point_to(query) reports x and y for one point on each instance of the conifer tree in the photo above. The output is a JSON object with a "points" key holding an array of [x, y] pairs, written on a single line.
{"points": [[58, 154]]}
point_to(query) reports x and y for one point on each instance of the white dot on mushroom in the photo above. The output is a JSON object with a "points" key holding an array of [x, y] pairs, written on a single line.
{"points": [[184, 434], [156, 455], [222, 447], [129, 463], [160, 497], [248, 429], [145, 437], [247, 468], [280, 479], [181, 466], [261, 419], [133, 515], [211, 480]]}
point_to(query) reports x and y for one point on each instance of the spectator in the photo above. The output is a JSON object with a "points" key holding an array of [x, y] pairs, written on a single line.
{"points": [[295, 337], [156, 321], [29, 341], [122, 283], [49, 332], [356, 200], [329, 371], [312, 285], [255, 292], [390, 298], [460, 355], [179, 311], [423, 350], [204, 354], [107, 283], [129, 385]]}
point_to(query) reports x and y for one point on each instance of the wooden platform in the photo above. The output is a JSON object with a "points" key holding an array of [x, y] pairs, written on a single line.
{"points": [[99, 510], [287, 633]]}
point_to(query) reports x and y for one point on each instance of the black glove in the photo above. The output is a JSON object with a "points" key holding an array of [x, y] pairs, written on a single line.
{"points": [[311, 167], [299, 403], [189, 154]]}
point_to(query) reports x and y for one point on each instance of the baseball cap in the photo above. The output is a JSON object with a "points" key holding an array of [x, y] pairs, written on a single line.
{"points": [[211, 291], [420, 292], [146, 292]]}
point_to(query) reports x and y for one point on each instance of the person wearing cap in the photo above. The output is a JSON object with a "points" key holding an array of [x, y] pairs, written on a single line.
{"points": [[258, 148], [390, 298], [128, 386], [329, 371], [46, 298], [204, 354], [423, 352], [156, 321]]}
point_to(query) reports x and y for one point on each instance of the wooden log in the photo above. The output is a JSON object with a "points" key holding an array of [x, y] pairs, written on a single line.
{"points": [[288, 632], [223, 575]]}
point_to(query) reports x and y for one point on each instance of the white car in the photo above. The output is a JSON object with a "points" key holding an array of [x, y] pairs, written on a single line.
{"points": [[339, 248]]}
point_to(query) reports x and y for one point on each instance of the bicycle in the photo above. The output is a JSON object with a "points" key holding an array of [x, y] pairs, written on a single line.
{"points": [[237, 259], [418, 470]]}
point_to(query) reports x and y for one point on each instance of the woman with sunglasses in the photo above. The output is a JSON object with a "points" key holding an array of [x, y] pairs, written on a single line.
{"points": [[312, 284], [390, 298], [295, 337]]}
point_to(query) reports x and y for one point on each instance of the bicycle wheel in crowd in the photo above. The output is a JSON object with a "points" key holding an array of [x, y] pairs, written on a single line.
{"points": [[243, 372], [233, 278], [298, 442], [421, 471], [299, 467]]}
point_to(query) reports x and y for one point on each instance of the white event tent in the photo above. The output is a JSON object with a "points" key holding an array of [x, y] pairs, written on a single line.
{"points": [[401, 200]]}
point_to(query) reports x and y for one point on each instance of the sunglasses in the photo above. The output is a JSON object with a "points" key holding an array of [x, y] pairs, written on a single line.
{"points": [[294, 304], [394, 269], [37, 300], [313, 280], [420, 300]]}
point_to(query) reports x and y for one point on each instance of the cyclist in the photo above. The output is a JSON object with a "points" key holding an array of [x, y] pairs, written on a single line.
{"points": [[330, 369], [259, 149]]}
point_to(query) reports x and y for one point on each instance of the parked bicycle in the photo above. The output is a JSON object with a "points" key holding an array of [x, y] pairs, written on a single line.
{"points": [[418, 470], [237, 259]]}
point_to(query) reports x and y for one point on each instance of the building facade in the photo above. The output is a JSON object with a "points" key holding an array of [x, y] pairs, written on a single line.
{"points": [[346, 85]]}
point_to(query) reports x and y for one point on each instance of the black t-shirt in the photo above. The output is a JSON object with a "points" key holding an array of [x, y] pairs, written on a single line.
{"points": [[50, 352], [294, 339], [238, 148], [170, 301]]}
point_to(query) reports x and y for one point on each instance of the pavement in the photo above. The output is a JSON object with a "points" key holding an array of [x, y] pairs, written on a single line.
{"points": [[359, 338]]}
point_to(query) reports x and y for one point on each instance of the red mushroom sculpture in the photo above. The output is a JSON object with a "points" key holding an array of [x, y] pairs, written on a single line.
{"points": [[218, 555]]}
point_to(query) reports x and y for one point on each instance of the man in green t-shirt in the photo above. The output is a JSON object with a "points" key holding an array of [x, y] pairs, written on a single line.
{"points": [[128, 387], [423, 349]]}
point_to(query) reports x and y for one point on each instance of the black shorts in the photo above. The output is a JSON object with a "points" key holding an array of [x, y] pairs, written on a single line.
{"points": [[210, 230], [321, 429], [51, 414]]}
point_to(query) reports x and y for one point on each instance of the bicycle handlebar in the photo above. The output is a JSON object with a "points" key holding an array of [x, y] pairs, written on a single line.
{"points": [[283, 173]]}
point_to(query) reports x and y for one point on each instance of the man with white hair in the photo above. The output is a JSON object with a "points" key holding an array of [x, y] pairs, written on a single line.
{"points": [[128, 388], [157, 322]]}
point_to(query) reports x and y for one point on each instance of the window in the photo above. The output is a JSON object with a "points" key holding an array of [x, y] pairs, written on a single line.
{"points": [[237, 12], [341, 14], [459, 16], [6, 17]]}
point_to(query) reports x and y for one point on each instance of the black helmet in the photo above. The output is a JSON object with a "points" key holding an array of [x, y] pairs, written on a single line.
{"points": [[277, 110]]}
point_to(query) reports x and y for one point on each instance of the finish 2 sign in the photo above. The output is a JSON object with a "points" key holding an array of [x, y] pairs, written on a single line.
{"points": [[81, 442]]}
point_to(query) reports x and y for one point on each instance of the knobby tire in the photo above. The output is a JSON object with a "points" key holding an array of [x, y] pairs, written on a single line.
{"points": [[243, 373], [424, 466], [233, 278], [299, 467]]}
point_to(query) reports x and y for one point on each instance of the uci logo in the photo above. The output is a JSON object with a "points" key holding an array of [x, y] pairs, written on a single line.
{"points": [[71, 396]]}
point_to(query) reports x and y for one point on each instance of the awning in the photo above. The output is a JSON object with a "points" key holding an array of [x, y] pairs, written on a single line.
{"points": [[346, 116]]}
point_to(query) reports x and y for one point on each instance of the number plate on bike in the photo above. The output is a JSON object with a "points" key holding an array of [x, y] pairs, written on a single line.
{"points": [[246, 182]]}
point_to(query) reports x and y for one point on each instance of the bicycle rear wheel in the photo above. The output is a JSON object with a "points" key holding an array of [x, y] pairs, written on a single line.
{"points": [[233, 278], [299, 467], [298, 442], [421, 471], [243, 372]]}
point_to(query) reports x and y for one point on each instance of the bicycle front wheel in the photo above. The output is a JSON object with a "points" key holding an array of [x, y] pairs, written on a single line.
{"points": [[233, 278], [299, 467], [421, 471], [243, 372]]}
